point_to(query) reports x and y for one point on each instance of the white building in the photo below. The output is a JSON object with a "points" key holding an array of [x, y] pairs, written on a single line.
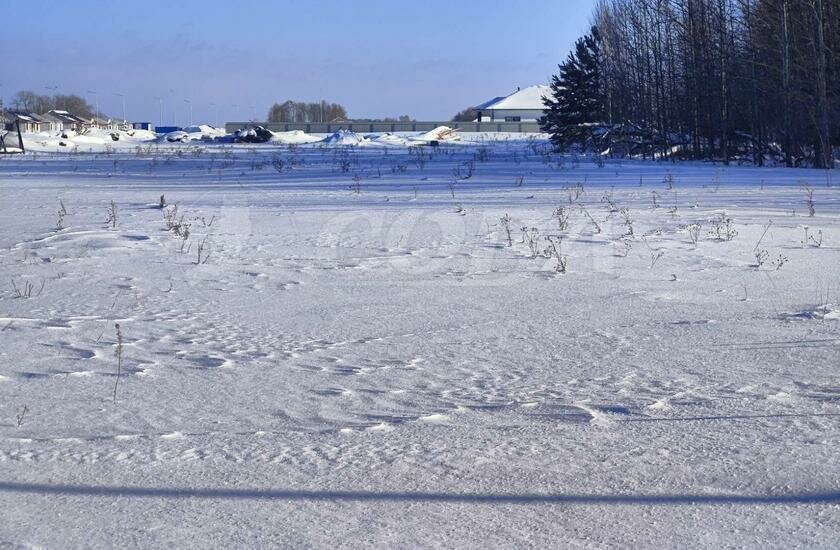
{"points": [[523, 105]]}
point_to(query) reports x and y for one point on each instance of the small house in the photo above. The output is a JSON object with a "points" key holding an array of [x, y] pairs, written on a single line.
{"points": [[74, 122], [106, 123], [29, 123], [50, 123], [523, 105]]}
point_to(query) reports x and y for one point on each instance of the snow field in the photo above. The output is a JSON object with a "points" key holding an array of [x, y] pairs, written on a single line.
{"points": [[363, 360]]}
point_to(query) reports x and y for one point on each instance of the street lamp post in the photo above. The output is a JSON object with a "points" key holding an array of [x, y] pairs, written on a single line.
{"points": [[53, 88], [123, 106], [160, 104], [174, 108], [96, 101]]}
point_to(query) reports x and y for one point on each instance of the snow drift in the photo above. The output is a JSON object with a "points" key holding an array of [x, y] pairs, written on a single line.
{"points": [[293, 137], [345, 137], [441, 133]]}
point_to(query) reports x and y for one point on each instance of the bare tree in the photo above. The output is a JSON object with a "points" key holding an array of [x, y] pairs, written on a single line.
{"points": [[722, 79]]}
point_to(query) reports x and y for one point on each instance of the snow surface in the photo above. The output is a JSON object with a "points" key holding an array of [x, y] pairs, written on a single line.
{"points": [[364, 361]]}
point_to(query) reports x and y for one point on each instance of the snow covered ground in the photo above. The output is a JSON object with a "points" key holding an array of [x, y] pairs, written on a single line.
{"points": [[361, 357]]}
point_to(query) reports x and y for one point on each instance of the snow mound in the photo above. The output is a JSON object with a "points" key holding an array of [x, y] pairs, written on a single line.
{"points": [[821, 313], [199, 129], [177, 136], [441, 133], [93, 139], [346, 137], [99, 133], [388, 139], [830, 314], [138, 135], [203, 132], [257, 134], [293, 137]]}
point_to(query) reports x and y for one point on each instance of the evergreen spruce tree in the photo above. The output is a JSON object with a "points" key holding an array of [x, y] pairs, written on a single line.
{"points": [[576, 105]]}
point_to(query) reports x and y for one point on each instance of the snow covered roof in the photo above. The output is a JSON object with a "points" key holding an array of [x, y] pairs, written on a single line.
{"points": [[21, 115], [526, 98], [64, 116], [487, 104], [49, 117]]}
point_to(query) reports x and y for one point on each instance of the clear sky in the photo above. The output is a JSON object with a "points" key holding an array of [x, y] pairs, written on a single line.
{"points": [[424, 58]]}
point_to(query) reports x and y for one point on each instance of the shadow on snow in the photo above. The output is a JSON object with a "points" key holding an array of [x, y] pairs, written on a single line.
{"points": [[828, 497]]}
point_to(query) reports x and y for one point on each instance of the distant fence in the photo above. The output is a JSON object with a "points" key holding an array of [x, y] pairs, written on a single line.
{"points": [[365, 127]]}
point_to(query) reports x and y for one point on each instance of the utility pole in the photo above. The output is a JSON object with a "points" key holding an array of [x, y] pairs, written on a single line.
{"points": [[187, 101]]}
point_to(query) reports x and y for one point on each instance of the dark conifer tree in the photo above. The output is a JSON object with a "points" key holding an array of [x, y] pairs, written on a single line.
{"points": [[576, 107]]}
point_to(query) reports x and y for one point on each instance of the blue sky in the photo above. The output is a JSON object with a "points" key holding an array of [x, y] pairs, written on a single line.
{"points": [[427, 59]]}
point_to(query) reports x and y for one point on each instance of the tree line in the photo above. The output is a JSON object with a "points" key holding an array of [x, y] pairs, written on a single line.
{"points": [[714, 79], [322, 111], [302, 111], [30, 102]]}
